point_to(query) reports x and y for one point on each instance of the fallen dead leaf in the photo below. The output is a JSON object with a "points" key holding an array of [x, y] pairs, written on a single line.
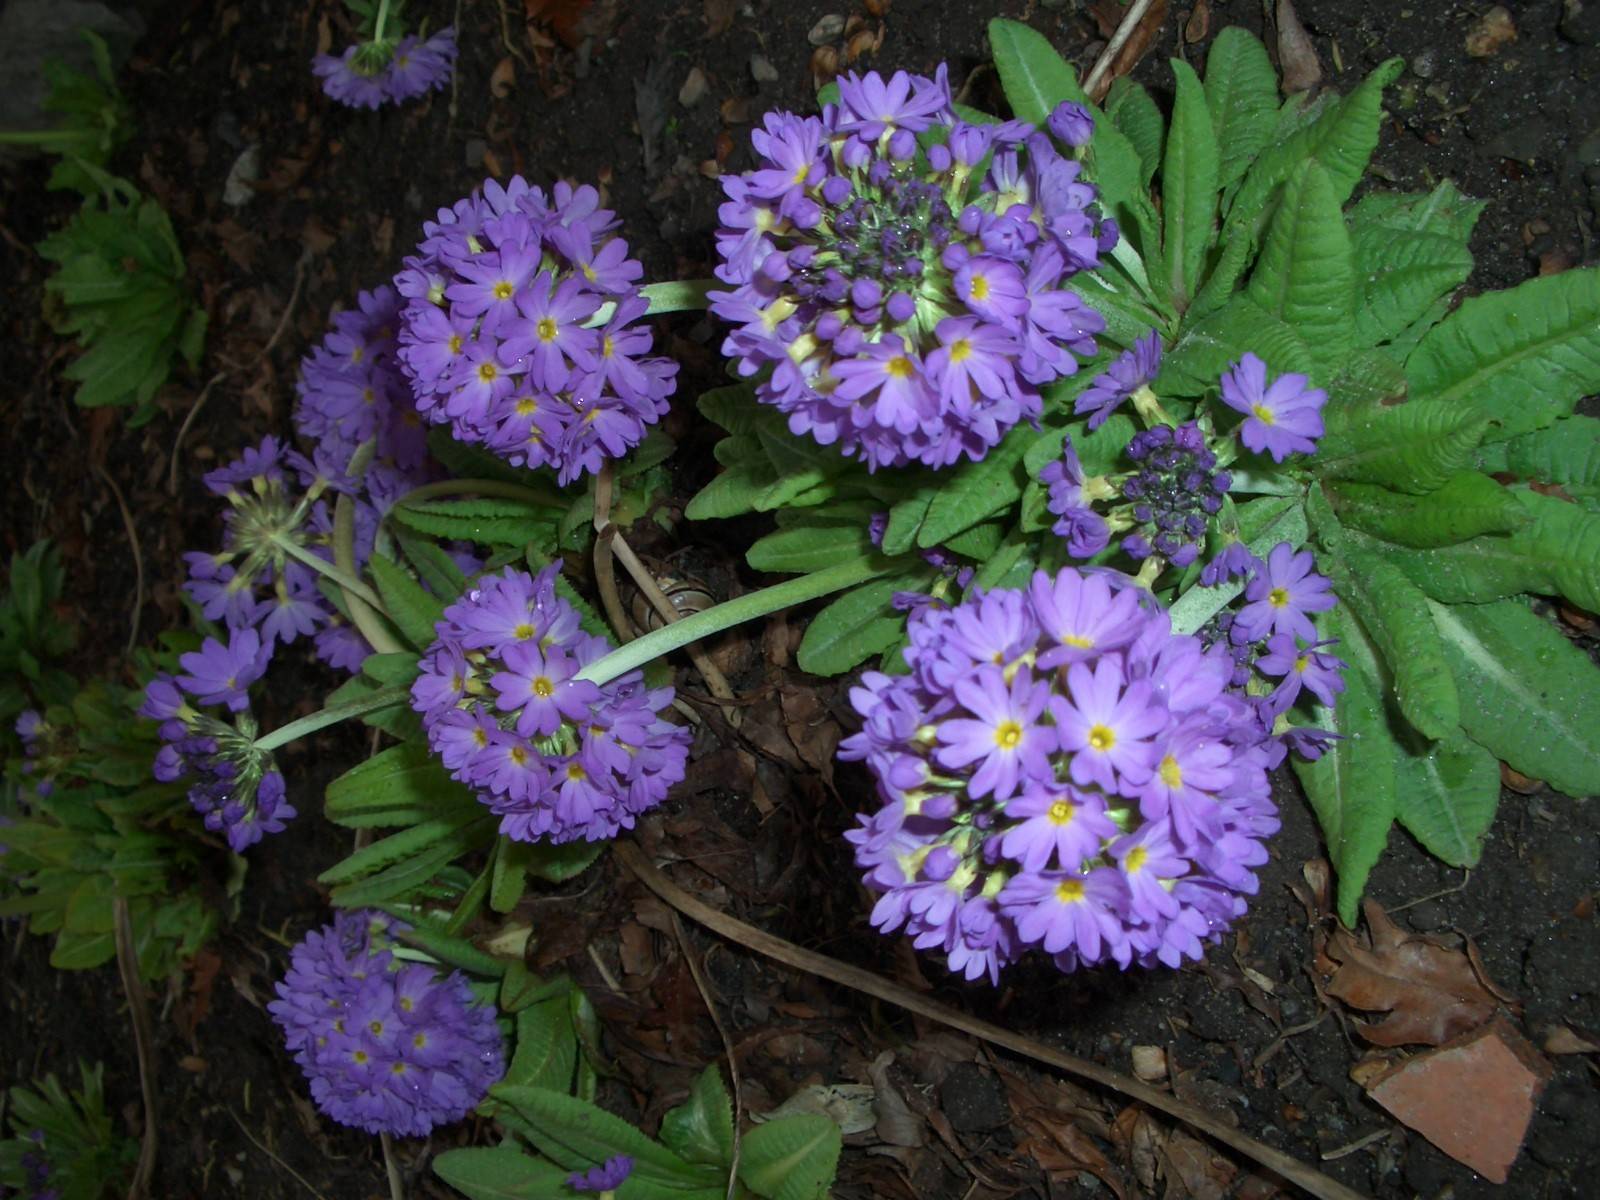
{"points": [[1472, 1097], [1491, 31], [1198, 24], [1297, 57], [1563, 1039], [564, 18], [503, 78], [1429, 990], [719, 15]]}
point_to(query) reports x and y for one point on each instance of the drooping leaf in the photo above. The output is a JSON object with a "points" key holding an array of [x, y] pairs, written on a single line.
{"points": [[490, 520], [701, 1128], [1528, 696], [976, 491], [1467, 505], [1035, 78], [1188, 187], [1521, 357], [1306, 274], [547, 1049], [400, 786], [576, 1135], [1447, 796], [1242, 92], [500, 1173], [1567, 452], [1443, 212], [810, 547], [1352, 787]]}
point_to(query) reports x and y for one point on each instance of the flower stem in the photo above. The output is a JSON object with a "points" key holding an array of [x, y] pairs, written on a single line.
{"points": [[323, 567], [366, 616], [383, 17], [734, 612], [332, 715]]}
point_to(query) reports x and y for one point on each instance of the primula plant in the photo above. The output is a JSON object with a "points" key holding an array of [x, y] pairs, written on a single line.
{"points": [[63, 1146], [388, 65], [1135, 459]]}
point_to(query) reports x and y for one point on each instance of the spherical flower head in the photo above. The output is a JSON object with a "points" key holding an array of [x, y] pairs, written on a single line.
{"points": [[1059, 771], [607, 1177], [1174, 493], [904, 307], [554, 755], [386, 1047], [522, 334], [1281, 419]]}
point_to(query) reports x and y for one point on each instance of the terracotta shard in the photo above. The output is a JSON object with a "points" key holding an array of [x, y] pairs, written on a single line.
{"points": [[1471, 1097]]}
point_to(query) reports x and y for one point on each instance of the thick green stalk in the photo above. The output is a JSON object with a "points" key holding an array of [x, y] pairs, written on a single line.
{"points": [[323, 567], [735, 612], [332, 715], [364, 613]]}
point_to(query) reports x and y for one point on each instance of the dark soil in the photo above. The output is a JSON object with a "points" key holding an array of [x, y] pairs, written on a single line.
{"points": [[341, 197]]}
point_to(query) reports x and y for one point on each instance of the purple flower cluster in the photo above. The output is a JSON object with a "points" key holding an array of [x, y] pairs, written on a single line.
{"points": [[607, 1177], [1281, 419], [552, 755], [237, 789], [897, 274], [521, 329], [1060, 771], [1071, 496], [1133, 370], [1174, 494], [37, 1170], [370, 74], [34, 731], [388, 1048]]}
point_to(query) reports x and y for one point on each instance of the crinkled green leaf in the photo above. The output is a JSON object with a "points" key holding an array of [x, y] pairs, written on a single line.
{"points": [[1467, 505], [1413, 447], [1443, 212], [413, 610], [1352, 787], [1130, 108], [501, 1173], [490, 520], [1447, 797], [1188, 187], [1567, 452], [801, 548], [1206, 349], [577, 1135], [1567, 537], [1242, 92], [1341, 138], [857, 624], [792, 1158], [1522, 357], [1528, 695], [976, 491], [1403, 274], [1306, 274], [701, 1128], [547, 1049], [400, 786]]}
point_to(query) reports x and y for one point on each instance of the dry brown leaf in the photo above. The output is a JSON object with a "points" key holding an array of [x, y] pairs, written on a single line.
{"points": [[1428, 989], [503, 78], [564, 18], [1198, 24], [1194, 1170], [1491, 31], [1297, 57], [719, 16]]}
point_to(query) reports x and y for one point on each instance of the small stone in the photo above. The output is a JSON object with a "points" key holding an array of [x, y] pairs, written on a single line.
{"points": [[246, 169], [1427, 916], [1580, 22], [693, 89], [1425, 64], [826, 29], [762, 70], [1150, 1064], [1492, 30], [1472, 1097]]}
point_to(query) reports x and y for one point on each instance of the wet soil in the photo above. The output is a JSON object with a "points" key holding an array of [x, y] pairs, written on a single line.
{"points": [[593, 93]]}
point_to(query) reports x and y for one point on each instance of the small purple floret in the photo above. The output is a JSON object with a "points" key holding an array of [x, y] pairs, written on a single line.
{"points": [[1280, 420], [606, 1177]]}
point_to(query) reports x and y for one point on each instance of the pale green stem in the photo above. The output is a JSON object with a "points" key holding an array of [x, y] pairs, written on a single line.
{"points": [[365, 615], [323, 567], [332, 715], [383, 17], [734, 612]]}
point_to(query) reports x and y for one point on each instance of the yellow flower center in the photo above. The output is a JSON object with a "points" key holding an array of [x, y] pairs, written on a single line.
{"points": [[980, 287], [488, 372], [543, 688], [420, 1040], [576, 773], [1077, 641], [1135, 860], [377, 1028], [503, 290], [361, 1057], [1101, 738], [1070, 891], [524, 631], [547, 329], [1061, 812], [1278, 597], [1264, 414], [607, 346], [455, 343], [399, 1068], [900, 367], [960, 350], [358, 354], [1171, 773], [527, 406], [1007, 734], [519, 755], [1301, 663]]}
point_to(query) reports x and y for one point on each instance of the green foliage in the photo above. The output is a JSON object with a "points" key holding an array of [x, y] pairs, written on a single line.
{"points": [[94, 119], [70, 1131], [33, 639]]}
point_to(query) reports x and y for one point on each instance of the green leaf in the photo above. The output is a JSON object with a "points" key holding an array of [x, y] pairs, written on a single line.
{"points": [[1528, 696], [547, 1049], [1130, 108], [1414, 447], [857, 625], [1394, 613], [1188, 187], [413, 610], [557, 864], [398, 668], [508, 874], [1567, 538], [1522, 357], [405, 873], [1035, 78], [1341, 139], [701, 1128], [1242, 93], [1211, 345], [906, 518], [403, 785], [1467, 505], [501, 1173], [1567, 452], [395, 848], [1127, 316], [490, 520], [1353, 786], [576, 1134], [1306, 275], [802, 548], [448, 949], [1403, 273], [1443, 212], [1223, 280], [792, 1158], [976, 491], [434, 567], [1447, 797]]}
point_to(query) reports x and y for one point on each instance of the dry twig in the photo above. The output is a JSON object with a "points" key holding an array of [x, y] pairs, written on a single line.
{"points": [[1097, 83], [144, 1043], [138, 558]]}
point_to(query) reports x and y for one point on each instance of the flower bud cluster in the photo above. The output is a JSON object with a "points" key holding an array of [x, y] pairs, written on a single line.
{"points": [[897, 275], [387, 1047], [1174, 493], [556, 757], [1060, 771], [237, 789], [521, 329]]}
